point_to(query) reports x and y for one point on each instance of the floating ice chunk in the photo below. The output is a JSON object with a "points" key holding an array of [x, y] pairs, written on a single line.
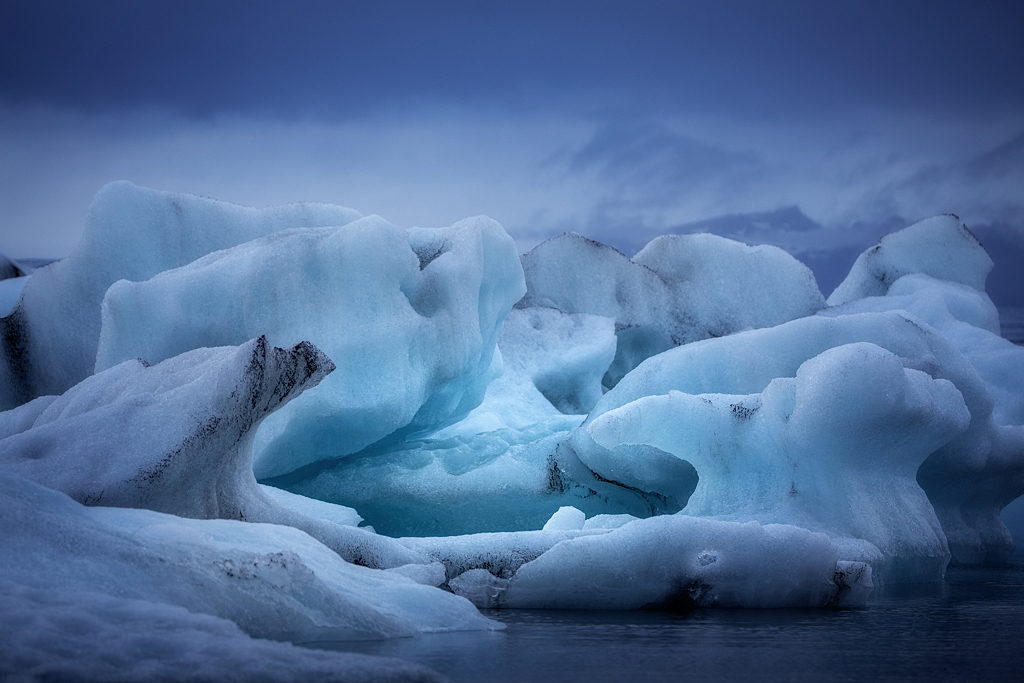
{"points": [[968, 480], [273, 581], [500, 554], [578, 275], [411, 318], [318, 509], [835, 450], [967, 318], [567, 518], [726, 286], [177, 437], [678, 289], [480, 587], [57, 634], [941, 247], [49, 342], [676, 561]]}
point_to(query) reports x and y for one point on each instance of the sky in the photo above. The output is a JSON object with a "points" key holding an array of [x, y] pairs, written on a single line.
{"points": [[616, 120]]}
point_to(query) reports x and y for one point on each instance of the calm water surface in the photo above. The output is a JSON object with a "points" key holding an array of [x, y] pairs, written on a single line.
{"points": [[970, 629]]}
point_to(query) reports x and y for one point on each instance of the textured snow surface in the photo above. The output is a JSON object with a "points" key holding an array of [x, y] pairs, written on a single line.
{"points": [[826, 450], [55, 634], [409, 317], [941, 247], [132, 233], [188, 446], [273, 581], [680, 562], [678, 289]]}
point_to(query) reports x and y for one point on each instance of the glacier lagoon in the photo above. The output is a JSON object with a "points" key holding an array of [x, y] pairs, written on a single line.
{"points": [[306, 425], [968, 629]]}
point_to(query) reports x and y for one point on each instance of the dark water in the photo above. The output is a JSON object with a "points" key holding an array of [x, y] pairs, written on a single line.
{"points": [[1011, 324], [970, 629]]}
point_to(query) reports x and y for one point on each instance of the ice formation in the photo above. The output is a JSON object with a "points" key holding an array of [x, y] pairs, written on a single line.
{"points": [[827, 450], [691, 427], [663, 561], [187, 449], [48, 343], [410, 318], [682, 562], [924, 322], [941, 247], [54, 634], [272, 581], [678, 289]]}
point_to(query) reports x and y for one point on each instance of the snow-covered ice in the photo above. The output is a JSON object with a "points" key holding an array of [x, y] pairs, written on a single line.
{"points": [[827, 450], [678, 289], [55, 634], [273, 581], [431, 414], [176, 437], [409, 317], [49, 342]]}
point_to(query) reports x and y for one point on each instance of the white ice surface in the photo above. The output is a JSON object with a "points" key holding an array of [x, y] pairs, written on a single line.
{"points": [[969, 319], [273, 581], [835, 449], [131, 233], [60, 634], [941, 247], [566, 518], [967, 481], [679, 561], [409, 317], [176, 437], [339, 514], [678, 289]]}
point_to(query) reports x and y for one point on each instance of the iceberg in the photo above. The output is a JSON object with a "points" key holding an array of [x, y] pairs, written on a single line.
{"points": [[72, 635], [177, 437], [835, 449], [300, 423], [677, 289], [681, 562], [410, 318], [941, 247], [272, 581], [666, 562], [48, 342], [968, 479]]}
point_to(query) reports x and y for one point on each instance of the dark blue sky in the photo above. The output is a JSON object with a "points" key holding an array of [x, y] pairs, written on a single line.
{"points": [[341, 60], [614, 119]]}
